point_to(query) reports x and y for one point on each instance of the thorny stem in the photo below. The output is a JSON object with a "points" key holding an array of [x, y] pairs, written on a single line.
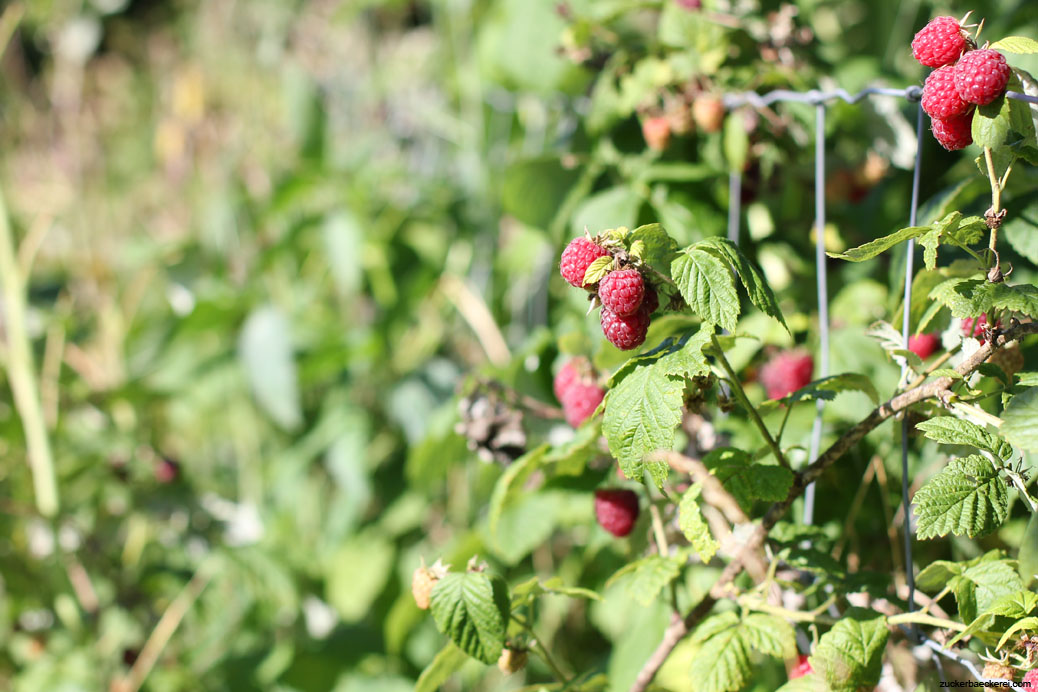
{"points": [[722, 588], [741, 396]]}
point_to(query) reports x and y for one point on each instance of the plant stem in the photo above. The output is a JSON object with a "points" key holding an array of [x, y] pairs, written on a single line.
{"points": [[22, 373], [918, 617], [741, 396], [542, 651]]}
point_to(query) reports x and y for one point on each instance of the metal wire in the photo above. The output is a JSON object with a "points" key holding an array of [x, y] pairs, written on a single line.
{"points": [[823, 296]]}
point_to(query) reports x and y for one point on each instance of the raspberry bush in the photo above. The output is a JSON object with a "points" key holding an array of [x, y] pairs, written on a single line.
{"points": [[401, 346]]}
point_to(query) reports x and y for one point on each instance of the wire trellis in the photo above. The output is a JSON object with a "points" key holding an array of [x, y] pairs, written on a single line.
{"points": [[819, 99]]}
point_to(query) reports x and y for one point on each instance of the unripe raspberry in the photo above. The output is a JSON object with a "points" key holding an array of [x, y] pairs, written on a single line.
{"points": [[940, 96], [802, 668], [625, 333], [786, 373], [656, 131], [423, 581], [580, 401], [512, 660], [954, 133], [577, 257], [997, 671], [939, 43], [616, 510], [923, 345], [622, 291], [679, 116], [708, 112], [981, 76]]}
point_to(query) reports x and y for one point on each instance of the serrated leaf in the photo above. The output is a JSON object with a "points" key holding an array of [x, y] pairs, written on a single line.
{"points": [[934, 576], [981, 623], [448, 661], [1028, 555], [892, 342], [509, 484], [1020, 420], [812, 682], [879, 245], [991, 123], [645, 578], [1027, 624], [597, 270], [694, 527], [850, 655], [659, 247], [753, 281], [641, 415], [964, 297], [755, 482], [1014, 605], [1022, 298], [992, 580], [723, 660], [829, 387], [966, 498], [1020, 45], [534, 587], [707, 286], [946, 372], [472, 609], [955, 431]]}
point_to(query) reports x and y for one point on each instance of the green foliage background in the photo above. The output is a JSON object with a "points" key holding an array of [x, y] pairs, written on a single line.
{"points": [[270, 239]]}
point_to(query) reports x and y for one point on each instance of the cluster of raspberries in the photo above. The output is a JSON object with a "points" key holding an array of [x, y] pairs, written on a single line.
{"points": [[963, 78], [577, 389], [628, 301]]}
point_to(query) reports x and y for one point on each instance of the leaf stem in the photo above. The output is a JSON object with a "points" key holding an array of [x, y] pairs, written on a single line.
{"points": [[918, 617], [741, 396], [542, 651]]}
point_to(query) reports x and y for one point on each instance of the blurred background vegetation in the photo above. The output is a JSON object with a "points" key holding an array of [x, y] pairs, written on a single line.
{"points": [[267, 242]]}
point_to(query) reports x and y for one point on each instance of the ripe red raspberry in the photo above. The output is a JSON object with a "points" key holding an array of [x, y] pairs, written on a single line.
{"points": [[1030, 680], [622, 291], [923, 345], [577, 257], [802, 668], [787, 372], [690, 4], [616, 510], [940, 97], [939, 43], [954, 133], [580, 401], [656, 131], [625, 332], [981, 76], [974, 326], [568, 374], [166, 470], [651, 300]]}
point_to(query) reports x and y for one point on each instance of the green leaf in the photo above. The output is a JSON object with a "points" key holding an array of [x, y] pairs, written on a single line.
{"points": [[1020, 420], [966, 498], [1021, 227], [892, 342], [1028, 556], [694, 527], [964, 297], [1021, 298], [534, 587], [850, 655], [472, 609], [879, 245], [533, 189], [991, 123], [524, 525], [753, 281], [1015, 605], [707, 286], [1021, 45], [1027, 379], [955, 431], [641, 414], [828, 387], [755, 482], [812, 682], [934, 576], [660, 248], [510, 483], [723, 661], [992, 580], [1027, 624], [597, 270], [356, 574], [447, 662], [645, 578], [265, 349], [736, 141]]}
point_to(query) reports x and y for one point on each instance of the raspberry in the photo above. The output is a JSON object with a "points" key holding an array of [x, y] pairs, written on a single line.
{"points": [[580, 401], [997, 671], [690, 4], [708, 112], [802, 668], [616, 510], [625, 332], [981, 76], [166, 470], [656, 131], [939, 43], [940, 97], [923, 345], [577, 257], [512, 660], [651, 300], [954, 133], [787, 372], [423, 581], [974, 326], [1031, 679], [622, 291], [568, 374]]}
